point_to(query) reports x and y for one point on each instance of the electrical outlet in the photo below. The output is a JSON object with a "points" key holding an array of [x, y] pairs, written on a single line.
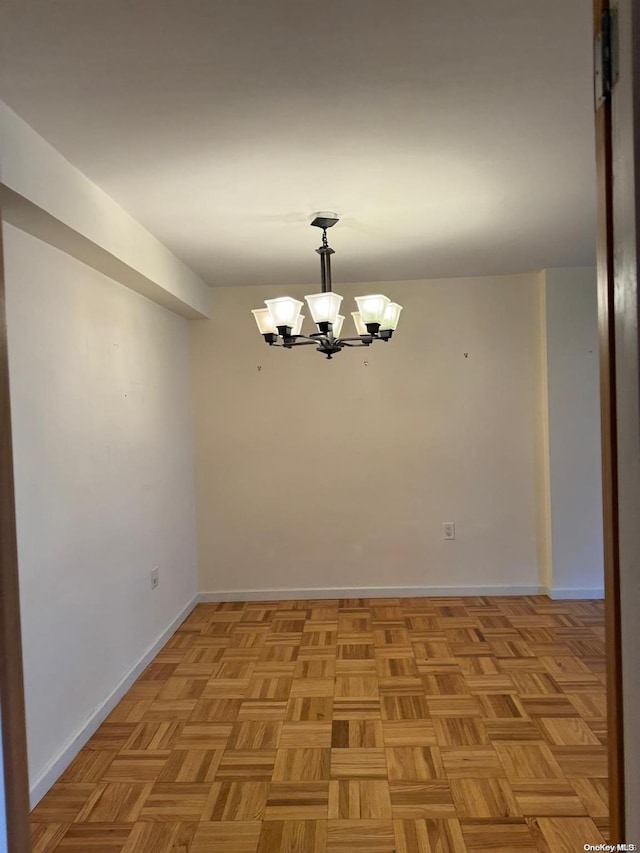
{"points": [[155, 577], [448, 530]]}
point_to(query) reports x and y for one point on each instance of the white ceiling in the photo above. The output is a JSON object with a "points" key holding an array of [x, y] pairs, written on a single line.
{"points": [[454, 137]]}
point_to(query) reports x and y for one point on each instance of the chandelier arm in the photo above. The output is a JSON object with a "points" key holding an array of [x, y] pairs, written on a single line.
{"points": [[292, 341], [312, 338]]}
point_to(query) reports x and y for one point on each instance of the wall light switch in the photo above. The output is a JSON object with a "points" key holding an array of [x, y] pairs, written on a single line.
{"points": [[155, 577]]}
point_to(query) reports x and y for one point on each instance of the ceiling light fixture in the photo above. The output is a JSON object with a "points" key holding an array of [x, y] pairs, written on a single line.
{"points": [[280, 323]]}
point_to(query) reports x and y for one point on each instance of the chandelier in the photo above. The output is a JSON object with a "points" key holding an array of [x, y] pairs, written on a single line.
{"points": [[280, 323]]}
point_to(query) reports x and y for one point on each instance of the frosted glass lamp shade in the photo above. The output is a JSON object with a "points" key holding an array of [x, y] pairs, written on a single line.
{"points": [[372, 307], [361, 329], [264, 321], [324, 307], [391, 316], [337, 326], [297, 329], [284, 310]]}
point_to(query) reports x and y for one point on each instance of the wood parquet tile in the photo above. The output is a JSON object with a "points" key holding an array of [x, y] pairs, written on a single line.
{"points": [[355, 799], [484, 798], [115, 802], [368, 836], [564, 835], [428, 836], [160, 838], [90, 765], [291, 836], [384, 725], [505, 835], [302, 765], [175, 801], [236, 801], [46, 837], [431, 799], [226, 837], [548, 797], [191, 765], [297, 800], [98, 837], [414, 762], [62, 803]]}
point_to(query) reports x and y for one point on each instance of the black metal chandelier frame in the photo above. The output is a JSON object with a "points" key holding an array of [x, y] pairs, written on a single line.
{"points": [[324, 340]]}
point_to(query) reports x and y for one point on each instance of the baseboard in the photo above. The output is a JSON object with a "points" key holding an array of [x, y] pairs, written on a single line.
{"points": [[562, 594], [365, 592], [73, 747]]}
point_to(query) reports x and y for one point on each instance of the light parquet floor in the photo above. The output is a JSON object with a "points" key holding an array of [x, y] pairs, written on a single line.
{"points": [[407, 725]]}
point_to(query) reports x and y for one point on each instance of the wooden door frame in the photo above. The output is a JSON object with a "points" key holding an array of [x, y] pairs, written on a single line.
{"points": [[12, 708], [609, 431]]}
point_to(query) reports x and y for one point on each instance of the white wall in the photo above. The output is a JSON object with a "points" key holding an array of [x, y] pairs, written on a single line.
{"points": [[329, 474], [575, 474], [104, 482]]}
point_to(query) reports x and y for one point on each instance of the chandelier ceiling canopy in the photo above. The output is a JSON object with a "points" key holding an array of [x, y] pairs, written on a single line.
{"points": [[280, 323]]}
